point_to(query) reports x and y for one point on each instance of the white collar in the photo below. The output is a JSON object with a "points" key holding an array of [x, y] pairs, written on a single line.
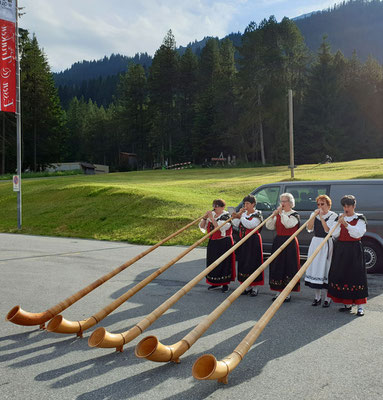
{"points": [[220, 215], [248, 214], [351, 217], [288, 212], [326, 215]]}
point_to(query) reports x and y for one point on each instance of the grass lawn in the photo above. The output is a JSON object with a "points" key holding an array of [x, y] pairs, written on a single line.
{"points": [[144, 207]]}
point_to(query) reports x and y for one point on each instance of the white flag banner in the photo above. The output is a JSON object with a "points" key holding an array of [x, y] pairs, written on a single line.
{"points": [[8, 10]]}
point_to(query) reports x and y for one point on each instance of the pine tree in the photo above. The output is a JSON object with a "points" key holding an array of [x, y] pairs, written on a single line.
{"points": [[187, 99], [320, 131], [225, 99], [163, 89], [42, 117], [272, 60], [132, 101], [206, 140]]}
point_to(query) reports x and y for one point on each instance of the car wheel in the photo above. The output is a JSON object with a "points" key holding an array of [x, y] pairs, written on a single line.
{"points": [[373, 256]]}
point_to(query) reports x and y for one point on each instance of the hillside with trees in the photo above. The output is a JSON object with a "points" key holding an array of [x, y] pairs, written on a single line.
{"points": [[353, 26], [228, 99], [96, 80]]}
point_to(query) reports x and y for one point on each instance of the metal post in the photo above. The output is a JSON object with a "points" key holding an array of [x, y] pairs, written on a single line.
{"points": [[291, 133], [18, 120]]}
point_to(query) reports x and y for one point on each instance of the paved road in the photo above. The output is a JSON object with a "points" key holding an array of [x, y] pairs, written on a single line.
{"points": [[304, 352]]}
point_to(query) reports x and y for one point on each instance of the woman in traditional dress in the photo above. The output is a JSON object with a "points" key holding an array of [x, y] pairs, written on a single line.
{"points": [[317, 272], [251, 257], [347, 280], [286, 221], [219, 243]]}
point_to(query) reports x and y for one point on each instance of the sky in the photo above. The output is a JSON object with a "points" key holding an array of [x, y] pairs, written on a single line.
{"points": [[75, 30]]}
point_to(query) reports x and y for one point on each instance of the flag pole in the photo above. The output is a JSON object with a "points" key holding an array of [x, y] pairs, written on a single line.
{"points": [[18, 120]]}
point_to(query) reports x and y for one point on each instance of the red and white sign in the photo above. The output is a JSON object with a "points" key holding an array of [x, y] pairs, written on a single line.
{"points": [[8, 55]]}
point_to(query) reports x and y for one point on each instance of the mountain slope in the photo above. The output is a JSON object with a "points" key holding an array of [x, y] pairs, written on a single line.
{"points": [[351, 26]]}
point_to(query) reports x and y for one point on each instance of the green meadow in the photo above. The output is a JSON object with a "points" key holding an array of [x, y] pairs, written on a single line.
{"points": [[144, 207]]}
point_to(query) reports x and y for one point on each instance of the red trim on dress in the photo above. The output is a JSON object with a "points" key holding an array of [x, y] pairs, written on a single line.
{"points": [[347, 301], [216, 284]]}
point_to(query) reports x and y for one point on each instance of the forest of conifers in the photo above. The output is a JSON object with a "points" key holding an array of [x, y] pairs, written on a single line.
{"points": [[192, 107]]}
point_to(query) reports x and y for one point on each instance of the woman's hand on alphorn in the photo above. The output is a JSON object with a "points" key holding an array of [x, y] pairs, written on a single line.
{"points": [[277, 211], [342, 221]]}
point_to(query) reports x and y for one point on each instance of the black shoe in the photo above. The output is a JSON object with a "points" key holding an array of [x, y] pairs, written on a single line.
{"points": [[245, 292], [287, 299], [213, 287], [326, 304], [360, 312], [254, 292], [225, 288], [275, 297], [316, 302], [345, 309]]}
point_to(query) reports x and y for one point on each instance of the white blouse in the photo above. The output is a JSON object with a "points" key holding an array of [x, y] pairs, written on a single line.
{"points": [[223, 228], [288, 220], [355, 231], [247, 223]]}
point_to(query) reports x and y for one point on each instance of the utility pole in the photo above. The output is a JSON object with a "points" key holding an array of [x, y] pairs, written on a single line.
{"points": [[291, 133]]}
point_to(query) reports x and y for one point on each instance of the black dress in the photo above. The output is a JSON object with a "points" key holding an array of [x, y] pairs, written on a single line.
{"points": [[287, 264], [347, 279], [251, 253], [223, 273]]}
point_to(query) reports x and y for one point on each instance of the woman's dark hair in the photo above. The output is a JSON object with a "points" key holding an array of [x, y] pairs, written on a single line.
{"points": [[219, 203], [250, 198], [348, 200]]}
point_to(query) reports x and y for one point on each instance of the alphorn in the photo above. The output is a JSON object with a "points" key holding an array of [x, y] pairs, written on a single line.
{"points": [[20, 317], [152, 349], [59, 324], [207, 367], [101, 338]]}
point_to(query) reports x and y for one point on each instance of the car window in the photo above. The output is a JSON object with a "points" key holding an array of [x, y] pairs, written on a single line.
{"points": [[368, 197], [305, 195], [267, 198]]}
